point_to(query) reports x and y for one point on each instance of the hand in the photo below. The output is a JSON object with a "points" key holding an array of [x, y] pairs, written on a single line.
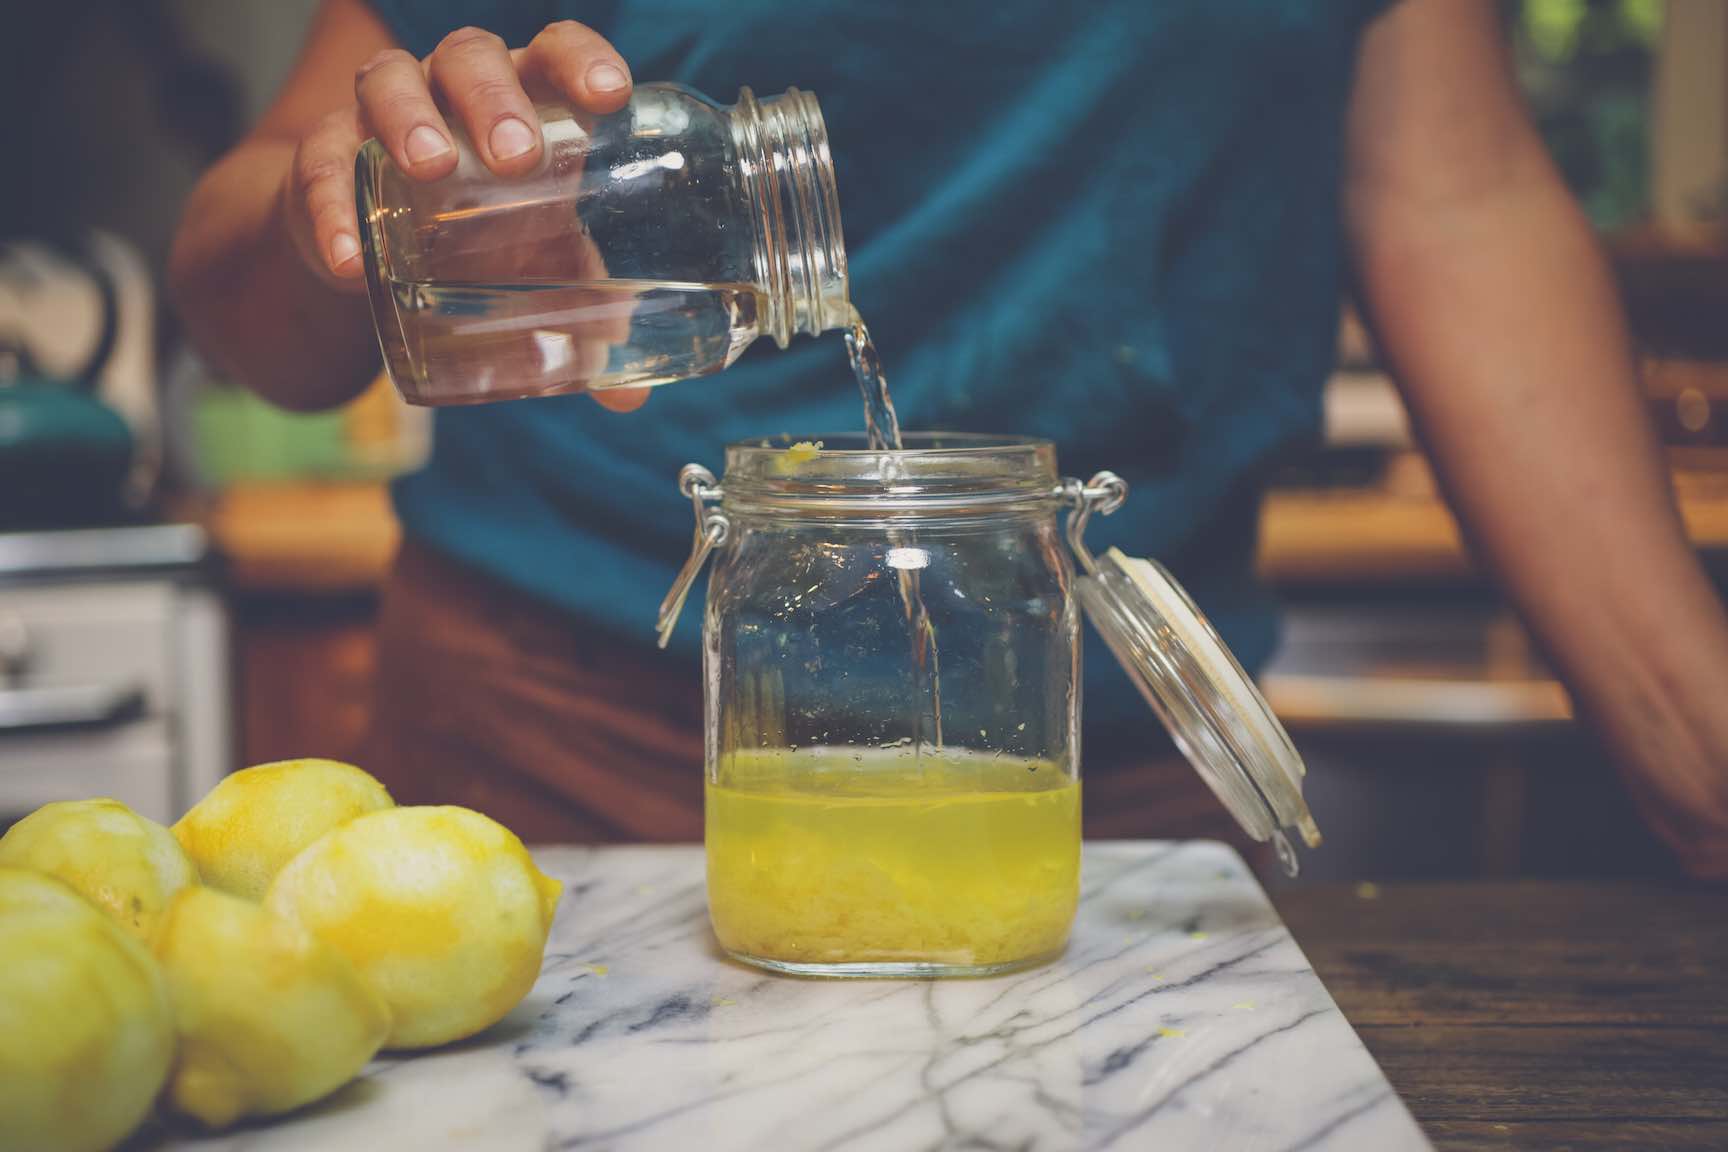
{"points": [[487, 88], [1688, 808], [401, 100]]}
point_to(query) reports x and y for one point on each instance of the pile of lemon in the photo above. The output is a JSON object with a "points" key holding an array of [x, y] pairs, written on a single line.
{"points": [[251, 959]]}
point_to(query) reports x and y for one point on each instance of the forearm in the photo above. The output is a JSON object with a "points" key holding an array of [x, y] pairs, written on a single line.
{"points": [[249, 301], [1497, 314]]}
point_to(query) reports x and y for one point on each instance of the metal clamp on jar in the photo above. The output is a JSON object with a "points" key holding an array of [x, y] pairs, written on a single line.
{"points": [[892, 683]]}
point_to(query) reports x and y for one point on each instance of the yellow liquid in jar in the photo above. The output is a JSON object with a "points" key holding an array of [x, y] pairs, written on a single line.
{"points": [[832, 858]]}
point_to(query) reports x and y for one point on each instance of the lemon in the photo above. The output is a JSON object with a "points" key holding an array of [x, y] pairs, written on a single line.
{"points": [[22, 890], [85, 1031], [255, 821], [124, 864], [268, 1017], [441, 910]]}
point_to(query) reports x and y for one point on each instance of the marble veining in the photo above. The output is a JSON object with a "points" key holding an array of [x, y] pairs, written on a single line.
{"points": [[1183, 1016]]}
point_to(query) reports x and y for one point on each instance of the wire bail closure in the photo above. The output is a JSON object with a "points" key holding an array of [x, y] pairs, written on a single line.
{"points": [[1103, 494], [712, 527]]}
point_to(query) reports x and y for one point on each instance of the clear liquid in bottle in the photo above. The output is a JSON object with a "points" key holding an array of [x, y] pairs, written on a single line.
{"points": [[473, 343]]}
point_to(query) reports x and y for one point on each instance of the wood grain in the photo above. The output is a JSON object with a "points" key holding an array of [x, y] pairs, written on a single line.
{"points": [[1535, 1015]]}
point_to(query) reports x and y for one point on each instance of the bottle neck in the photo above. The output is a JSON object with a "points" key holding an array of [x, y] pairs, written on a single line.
{"points": [[789, 176]]}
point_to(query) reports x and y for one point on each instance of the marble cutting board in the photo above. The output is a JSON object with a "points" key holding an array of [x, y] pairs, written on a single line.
{"points": [[1182, 1017]]}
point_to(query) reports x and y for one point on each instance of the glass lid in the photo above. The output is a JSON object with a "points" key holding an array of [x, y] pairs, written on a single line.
{"points": [[1214, 713]]}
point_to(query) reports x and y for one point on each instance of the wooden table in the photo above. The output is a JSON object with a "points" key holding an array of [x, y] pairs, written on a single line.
{"points": [[1535, 1015]]}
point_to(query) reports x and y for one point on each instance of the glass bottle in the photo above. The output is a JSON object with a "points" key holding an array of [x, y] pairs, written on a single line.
{"points": [[650, 245]]}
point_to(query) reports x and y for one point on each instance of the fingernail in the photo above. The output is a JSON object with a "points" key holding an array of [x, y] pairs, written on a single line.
{"points": [[425, 144], [343, 248], [510, 138], [606, 78]]}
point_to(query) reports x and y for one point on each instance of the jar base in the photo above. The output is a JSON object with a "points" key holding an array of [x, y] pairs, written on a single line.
{"points": [[892, 969]]}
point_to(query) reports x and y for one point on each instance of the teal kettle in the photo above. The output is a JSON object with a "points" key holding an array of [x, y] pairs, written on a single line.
{"points": [[64, 457]]}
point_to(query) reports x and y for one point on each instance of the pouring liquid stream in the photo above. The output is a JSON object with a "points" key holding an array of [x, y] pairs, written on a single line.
{"points": [[882, 433], [881, 422]]}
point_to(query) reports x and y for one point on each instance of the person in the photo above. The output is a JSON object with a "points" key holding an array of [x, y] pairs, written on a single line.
{"points": [[1122, 226]]}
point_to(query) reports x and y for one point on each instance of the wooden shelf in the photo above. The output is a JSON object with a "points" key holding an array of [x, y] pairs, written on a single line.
{"points": [[1365, 537], [304, 538], [325, 539]]}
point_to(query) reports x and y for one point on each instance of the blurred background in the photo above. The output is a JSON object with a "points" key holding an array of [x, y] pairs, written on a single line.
{"points": [[188, 577]]}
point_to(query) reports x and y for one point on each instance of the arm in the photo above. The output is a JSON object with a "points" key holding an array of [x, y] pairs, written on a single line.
{"points": [[1497, 314], [266, 267], [298, 333]]}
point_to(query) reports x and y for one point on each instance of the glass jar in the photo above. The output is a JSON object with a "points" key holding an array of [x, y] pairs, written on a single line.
{"points": [[892, 684], [649, 245]]}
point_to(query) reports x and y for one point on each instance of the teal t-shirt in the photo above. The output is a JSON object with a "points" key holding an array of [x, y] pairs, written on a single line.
{"points": [[1112, 224]]}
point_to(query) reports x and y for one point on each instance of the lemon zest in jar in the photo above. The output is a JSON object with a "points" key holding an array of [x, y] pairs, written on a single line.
{"points": [[818, 858]]}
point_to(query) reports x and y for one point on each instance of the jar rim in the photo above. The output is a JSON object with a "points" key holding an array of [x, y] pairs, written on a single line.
{"points": [[916, 443], [937, 474]]}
